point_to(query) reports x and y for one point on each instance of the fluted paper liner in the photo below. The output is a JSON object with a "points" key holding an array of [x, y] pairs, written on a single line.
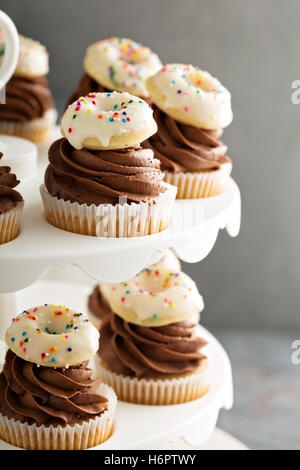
{"points": [[201, 184], [36, 130], [71, 437], [167, 391], [10, 223], [107, 220]]}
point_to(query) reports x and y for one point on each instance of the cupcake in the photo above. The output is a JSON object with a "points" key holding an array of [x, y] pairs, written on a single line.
{"points": [[11, 205], [100, 180], [151, 351], [29, 110], [191, 110], [48, 399], [117, 64]]}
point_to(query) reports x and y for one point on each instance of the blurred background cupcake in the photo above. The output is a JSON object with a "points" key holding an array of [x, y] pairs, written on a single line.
{"points": [[191, 110], [29, 110], [11, 205], [117, 64], [151, 351]]}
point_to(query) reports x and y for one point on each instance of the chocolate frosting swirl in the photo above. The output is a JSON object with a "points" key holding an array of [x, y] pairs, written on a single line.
{"points": [[9, 197], [26, 99], [88, 85], [184, 148], [141, 351], [102, 176], [97, 304], [47, 395]]}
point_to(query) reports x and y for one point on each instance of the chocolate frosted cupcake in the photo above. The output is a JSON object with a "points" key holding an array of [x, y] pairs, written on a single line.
{"points": [[100, 181], [29, 110], [151, 349], [11, 205], [192, 109], [118, 64], [48, 399]]}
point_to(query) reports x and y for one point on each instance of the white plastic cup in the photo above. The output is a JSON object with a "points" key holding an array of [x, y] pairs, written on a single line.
{"points": [[11, 53]]}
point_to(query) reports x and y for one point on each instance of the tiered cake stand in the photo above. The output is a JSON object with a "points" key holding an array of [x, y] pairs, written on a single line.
{"points": [[192, 235]]}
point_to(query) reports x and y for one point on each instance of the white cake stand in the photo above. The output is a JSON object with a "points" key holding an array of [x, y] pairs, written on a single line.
{"points": [[192, 234], [149, 427]]}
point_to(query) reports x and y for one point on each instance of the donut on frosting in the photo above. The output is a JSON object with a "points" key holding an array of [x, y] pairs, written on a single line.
{"points": [[52, 336], [121, 64], [33, 59], [191, 96], [108, 121], [159, 295]]}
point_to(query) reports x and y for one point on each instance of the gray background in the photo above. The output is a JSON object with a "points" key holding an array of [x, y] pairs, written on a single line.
{"points": [[253, 48], [250, 284]]}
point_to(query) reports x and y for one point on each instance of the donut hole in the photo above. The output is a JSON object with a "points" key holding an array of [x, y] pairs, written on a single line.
{"points": [[156, 281], [205, 83], [56, 325], [134, 57]]}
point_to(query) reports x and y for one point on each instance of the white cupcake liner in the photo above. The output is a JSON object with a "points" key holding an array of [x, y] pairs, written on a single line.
{"points": [[106, 220], [71, 437], [166, 391], [10, 223], [36, 130], [201, 184]]}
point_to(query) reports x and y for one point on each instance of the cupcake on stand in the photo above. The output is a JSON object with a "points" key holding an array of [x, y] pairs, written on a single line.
{"points": [[11, 205], [100, 180], [191, 110], [151, 351], [29, 110], [48, 399]]}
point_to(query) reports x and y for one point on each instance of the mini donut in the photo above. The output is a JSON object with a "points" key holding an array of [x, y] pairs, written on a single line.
{"points": [[33, 59], [52, 336], [191, 96], [159, 295], [121, 64], [108, 121]]}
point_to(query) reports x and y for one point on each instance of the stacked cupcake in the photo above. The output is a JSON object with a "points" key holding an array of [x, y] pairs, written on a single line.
{"points": [[100, 180], [191, 110], [48, 400], [29, 110], [11, 205], [151, 350], [117, 64]]}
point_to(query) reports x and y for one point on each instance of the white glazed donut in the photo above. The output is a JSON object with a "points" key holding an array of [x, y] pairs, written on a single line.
{"points": [[33, 59], [121, 64], [191, 96], [52, 336], [159, 295], [108, 121]]}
